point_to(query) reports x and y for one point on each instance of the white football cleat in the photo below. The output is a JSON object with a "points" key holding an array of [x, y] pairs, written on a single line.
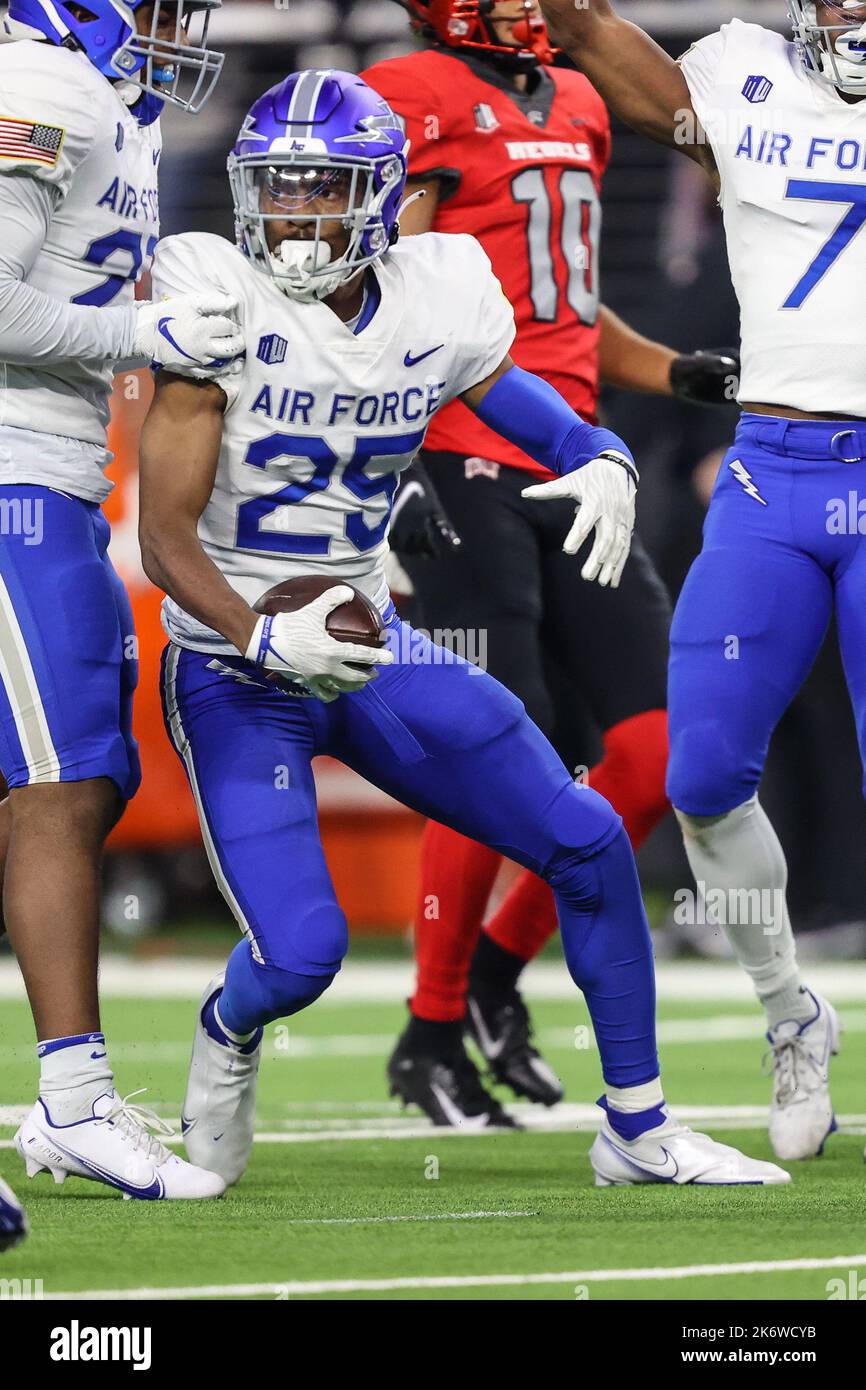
{"points": [[114, 1146], [219, 1111], [801, 1113], [13, 1221], [674, 1154]]}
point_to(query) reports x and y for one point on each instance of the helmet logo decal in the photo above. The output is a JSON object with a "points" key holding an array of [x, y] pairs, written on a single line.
{"points": [[248, 129]]}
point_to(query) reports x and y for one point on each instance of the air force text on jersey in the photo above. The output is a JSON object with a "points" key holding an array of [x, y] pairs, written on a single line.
{"points": [[818, 152], [799, 150], [407, 406]]}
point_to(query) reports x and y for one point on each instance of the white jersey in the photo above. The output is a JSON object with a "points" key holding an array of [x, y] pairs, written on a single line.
{"points": [[320, 422], [792, 159], [63, 123]]}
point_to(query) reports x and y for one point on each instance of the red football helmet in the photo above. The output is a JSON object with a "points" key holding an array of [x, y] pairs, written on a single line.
{"points": [[466, 24]]}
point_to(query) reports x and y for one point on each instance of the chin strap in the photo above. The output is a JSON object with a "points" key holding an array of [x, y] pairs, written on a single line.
{"points": [[407, 202]]}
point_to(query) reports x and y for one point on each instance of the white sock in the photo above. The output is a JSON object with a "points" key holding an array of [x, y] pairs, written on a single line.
{"points": [[790, 1002], [742, 876], [73, 1073], [631, 1100]]}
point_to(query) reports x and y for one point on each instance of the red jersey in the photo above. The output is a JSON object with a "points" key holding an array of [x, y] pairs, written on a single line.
{"points": [[522, 173]]}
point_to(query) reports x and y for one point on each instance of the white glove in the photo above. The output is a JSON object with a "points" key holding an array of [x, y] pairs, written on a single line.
{"points": [[299, 645], [605, 490], [190, 334]]}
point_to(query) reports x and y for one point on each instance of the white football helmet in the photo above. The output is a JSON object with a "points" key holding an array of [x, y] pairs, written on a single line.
{"points": [[834, 54]]}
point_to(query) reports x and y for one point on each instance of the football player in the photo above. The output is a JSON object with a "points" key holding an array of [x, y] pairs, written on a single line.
{"points": [[287, 466], [780, 128], [512, 150], [80, 96]]}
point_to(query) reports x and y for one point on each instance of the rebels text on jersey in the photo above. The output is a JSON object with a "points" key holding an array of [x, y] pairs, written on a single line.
{"points": [[100, 168], [791, 155], [319, 421], [522, 173]]}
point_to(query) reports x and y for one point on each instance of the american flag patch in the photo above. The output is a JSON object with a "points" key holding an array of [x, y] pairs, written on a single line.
{"points": [[27, 140]]}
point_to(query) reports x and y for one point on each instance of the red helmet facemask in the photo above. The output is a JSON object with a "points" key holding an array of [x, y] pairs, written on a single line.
{"points": [[465, 24]]}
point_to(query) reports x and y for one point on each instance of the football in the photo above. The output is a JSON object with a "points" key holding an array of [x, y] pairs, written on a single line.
{"points": [[356, 621]]}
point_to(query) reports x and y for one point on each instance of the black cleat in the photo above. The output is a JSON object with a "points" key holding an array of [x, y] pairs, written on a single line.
{"points": [[499, 1024], [446, 1086]]}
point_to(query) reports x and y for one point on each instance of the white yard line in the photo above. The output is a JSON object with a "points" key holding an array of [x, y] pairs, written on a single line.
{"points": [[466, 1281], [567, 1117], [561, 1120], [310, 1047], [385, 1220], [390, 981]]}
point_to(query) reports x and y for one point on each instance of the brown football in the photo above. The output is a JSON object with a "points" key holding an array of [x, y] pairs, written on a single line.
{"points": [[356, 621]]}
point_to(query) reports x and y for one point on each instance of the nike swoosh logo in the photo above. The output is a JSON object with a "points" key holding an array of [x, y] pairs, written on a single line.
{"points": [[161, 328], [455, 1114], [489, 1046], [410, 361], [153, 1191], [94, 1056], [667, 1169], [185, 1124]]}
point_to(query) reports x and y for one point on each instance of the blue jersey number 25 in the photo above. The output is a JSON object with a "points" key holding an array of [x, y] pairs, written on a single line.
{"points": [[820, 192], [263, 452]]}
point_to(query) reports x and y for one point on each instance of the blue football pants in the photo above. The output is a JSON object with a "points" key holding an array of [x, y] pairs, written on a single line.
{"points": [[451, 743]]}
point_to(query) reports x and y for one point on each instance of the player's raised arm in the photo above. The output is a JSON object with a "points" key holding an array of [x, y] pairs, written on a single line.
{"points": [[597, 469], [638, 80]]}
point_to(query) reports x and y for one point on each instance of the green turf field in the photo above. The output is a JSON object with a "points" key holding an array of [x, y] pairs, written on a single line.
{"points": [[345, 1192]]}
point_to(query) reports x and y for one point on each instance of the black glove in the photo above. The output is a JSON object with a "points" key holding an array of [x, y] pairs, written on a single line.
{"points": [[419, 525], [710, 378]]}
